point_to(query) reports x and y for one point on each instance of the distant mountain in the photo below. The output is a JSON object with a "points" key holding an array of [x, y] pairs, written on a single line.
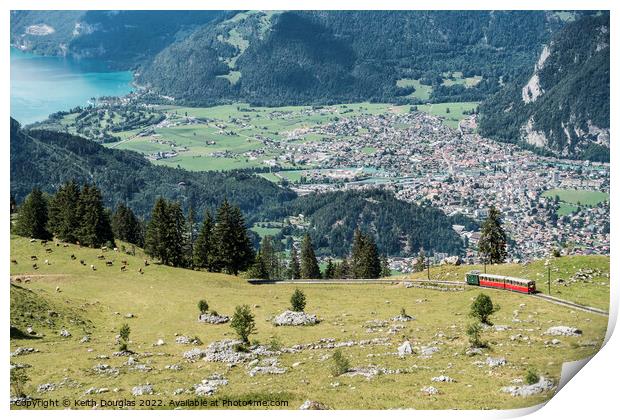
{"points": [[318, 57], [47, 159], [123, 39], [561, 105]]}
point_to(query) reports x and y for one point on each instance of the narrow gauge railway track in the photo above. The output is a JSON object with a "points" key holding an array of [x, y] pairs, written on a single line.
{"points": [[542, 296]]}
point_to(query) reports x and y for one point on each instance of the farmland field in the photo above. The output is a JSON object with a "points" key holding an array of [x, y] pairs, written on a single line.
{"points": [[162, 302], [583, 197]]}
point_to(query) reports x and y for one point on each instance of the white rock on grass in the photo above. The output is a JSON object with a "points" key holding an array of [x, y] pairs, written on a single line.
{"points": [[426, 352], [403, 318], [46, 387], [213, 319], [295, 318], [430, 390], [442, 378], [564, 331], [543, 385], [159, 342], [493, 362], [23, 350], [405, 349], [210, 385], [139, 390], [313, 405], [65, 333]]}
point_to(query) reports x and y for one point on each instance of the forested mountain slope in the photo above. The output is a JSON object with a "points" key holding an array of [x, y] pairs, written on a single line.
{"points": [[312, 57], [399, 228], [562, 106]]}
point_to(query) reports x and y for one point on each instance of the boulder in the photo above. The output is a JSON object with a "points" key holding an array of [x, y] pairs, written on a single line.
{"points": [[430, 390], [65, 333], [493, 362], [213, 319], [313, 405], [405, 349], [442, 378], [295, 318], [543, 385], [142, 390], [210, 385], [564, 331]]}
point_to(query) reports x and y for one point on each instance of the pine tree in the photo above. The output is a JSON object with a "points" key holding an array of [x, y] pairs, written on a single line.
{"points": [[420, 263], [203, 247], [154, 241], [95, 229], [32, 217], [258, 269], [294, 270], [126, 226], [270, 258], [330, 270], [385, 267], [343, 270], [492, 244], [64, 217], [233, 250], [365, 261], [175, 236], [309, 265], [191, 222]]}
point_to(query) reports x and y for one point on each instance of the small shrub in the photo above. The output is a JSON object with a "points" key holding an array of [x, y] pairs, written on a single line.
{"points": [[274, 344], [243, 323], [482, 307], [531, 377], [557, 253], [241, 348], [18, 381], [473, 332], [214, 313], [340, 364], [403, 313], [203, 306], [124, 335], [298, 301]]}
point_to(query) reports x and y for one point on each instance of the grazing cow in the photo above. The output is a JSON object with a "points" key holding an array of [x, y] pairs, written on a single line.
{"points": [[33, 240], [124, 262], [82, 262], [115, 249], [101, 257], [124, 268], [92, 267], [58, 289], [33, 258], [108, 263], [73, 256], [47, 262], [14, 261], [43, 242], [27, 280], [18, 279], [48, 250], [104, 248], [65, 245], [146, 263], [35, 266], [141, 271]]}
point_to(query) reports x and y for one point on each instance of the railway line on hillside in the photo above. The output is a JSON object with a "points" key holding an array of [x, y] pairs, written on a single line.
{"points": [[395, 282]]}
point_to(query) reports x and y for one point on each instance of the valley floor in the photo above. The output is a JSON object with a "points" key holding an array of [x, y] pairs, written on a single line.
{"points": [[357, 319]]}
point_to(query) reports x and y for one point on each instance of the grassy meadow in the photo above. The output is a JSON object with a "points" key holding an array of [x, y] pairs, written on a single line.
{"points": [[163, 301]]}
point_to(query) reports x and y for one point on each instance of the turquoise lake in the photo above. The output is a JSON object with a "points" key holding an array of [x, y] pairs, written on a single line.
{"points": [[43, 85]]}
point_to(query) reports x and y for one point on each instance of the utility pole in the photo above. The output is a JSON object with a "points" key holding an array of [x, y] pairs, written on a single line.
{"points": [[549, 278], [428, 268]]}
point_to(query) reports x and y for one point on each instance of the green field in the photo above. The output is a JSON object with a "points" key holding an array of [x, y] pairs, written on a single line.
{"points": [[452, 112], [422, 92], [458, 79], [163, 302], [582, 197]]}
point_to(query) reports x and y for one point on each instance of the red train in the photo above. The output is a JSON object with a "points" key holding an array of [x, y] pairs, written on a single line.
{"points": [[476, 278]]}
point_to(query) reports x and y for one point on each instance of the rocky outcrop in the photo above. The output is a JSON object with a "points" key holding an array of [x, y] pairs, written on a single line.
{"points": [[295, 318]]}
